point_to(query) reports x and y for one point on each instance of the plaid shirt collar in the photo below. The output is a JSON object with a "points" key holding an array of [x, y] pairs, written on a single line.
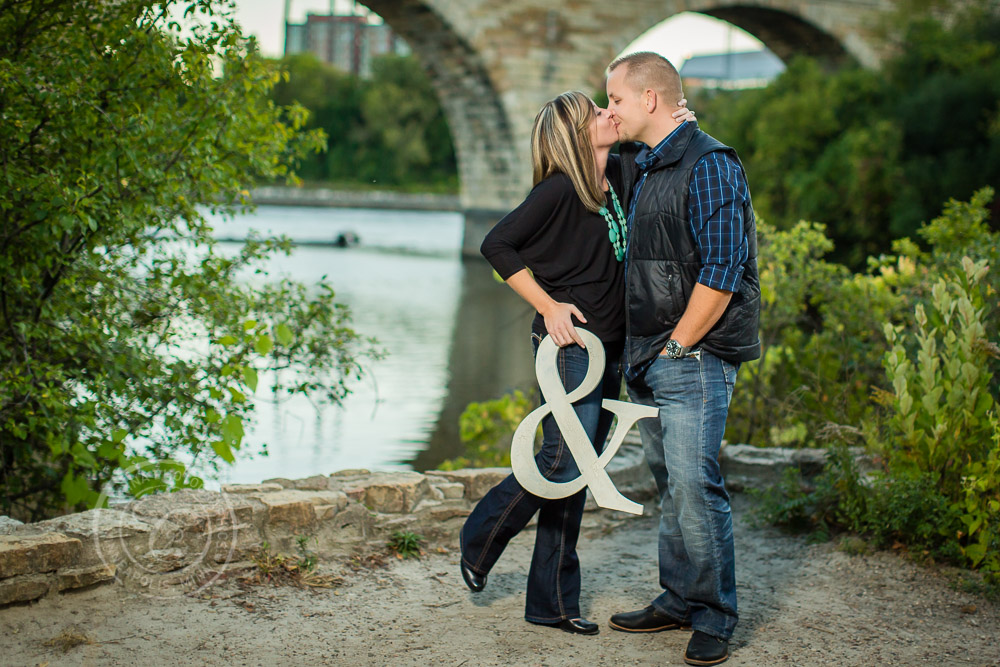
{"points": [[647, 158]]}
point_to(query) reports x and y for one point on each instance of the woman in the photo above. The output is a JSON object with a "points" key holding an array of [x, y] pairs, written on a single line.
{"points": [[570, 232]]}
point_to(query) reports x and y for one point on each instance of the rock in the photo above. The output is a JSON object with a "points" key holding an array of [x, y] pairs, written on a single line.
{"points": [[281, 481], [353, 472], [23, 589], [326, 512], [210, 526], [810, 461], [441, 514], [84, 576], [476, 481], [238, 489], [194, 510], [314, 483], [630, 472], [297, 509], [163, 560], [106, 535], [101, 524], [8, 525], [450, 490], [434, 479], [395, 492], [26, 554], [746, 466]]}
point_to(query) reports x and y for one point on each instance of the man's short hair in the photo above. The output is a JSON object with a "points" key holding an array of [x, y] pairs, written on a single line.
{"points": [[651, 71]]}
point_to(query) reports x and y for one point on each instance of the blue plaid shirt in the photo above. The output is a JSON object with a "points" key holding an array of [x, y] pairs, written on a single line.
{"points": [[716, 196]]}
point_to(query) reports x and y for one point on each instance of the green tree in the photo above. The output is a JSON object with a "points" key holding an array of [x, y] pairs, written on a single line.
{"points": [[130, 345], [333, 99], [871, 154], [387, 131]]}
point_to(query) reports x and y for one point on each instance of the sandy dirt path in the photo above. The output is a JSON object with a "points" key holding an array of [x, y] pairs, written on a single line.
{"points": [[800, 605]]}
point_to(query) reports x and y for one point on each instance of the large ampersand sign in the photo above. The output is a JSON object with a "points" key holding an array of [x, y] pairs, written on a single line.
{"points": [[560, 404]]}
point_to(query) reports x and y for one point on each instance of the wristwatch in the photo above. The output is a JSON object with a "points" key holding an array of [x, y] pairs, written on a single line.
{"points": [[675, 350]]}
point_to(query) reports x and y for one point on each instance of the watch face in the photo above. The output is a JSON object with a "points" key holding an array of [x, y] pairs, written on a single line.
{"points": [[673, 349]]}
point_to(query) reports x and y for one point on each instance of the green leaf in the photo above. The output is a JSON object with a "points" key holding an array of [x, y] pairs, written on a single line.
{"points": [[975, 553], [227, 341], [249, 324], [263, 344], [74, 488], [250, 377], [118, 434], [283, 334], [223, 450], [82, 456], [109, 450], [232, 430]]}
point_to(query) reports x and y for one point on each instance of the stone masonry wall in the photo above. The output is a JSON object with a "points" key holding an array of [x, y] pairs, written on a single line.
{"points": [[175, 543]]}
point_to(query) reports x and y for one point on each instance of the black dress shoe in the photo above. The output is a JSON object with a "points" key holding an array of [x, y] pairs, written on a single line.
{"points": [[476, 582], [578, 626], [645, 620], [705, 649]]}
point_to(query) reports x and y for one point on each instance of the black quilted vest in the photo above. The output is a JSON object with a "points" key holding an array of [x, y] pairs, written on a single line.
{"points": [[664, 263]]}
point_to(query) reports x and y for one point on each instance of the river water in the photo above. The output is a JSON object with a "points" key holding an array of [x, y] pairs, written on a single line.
{"points": [[450, 332]]}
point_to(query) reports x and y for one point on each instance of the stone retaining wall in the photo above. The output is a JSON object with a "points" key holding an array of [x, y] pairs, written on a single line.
{"points": [[174, 543]]}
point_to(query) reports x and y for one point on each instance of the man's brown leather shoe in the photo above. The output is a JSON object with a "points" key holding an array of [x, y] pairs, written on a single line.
{"points": [[704, 649], [645, 620]]}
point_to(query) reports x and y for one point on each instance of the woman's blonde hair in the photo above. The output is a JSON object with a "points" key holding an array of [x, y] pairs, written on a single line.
{"points": [[560, 143]]}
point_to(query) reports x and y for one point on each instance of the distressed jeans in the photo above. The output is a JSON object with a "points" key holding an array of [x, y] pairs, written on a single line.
{"points": [[697, 562], [553, 592]]}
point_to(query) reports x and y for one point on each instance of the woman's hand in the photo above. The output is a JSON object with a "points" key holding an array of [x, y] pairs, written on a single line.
{"points": [[683, 114], [559, 323], [558, 316]]}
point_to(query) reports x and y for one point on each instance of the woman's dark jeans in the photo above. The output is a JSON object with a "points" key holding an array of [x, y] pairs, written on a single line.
{"points": [[554, 578]]}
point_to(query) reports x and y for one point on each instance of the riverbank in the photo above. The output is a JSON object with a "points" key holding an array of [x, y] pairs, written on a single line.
{"points": [[275, 195], [800, 604]]}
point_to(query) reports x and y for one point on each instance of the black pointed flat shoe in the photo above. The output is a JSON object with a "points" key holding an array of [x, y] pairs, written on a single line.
{"points": [[579, 626], [475, 582]]}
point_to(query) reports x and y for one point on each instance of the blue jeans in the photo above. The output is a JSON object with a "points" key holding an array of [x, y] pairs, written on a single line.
{"points": [[553, 591], [697, 563]]}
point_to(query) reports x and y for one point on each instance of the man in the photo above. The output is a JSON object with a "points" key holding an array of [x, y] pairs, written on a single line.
{"points": [[693, 303]]}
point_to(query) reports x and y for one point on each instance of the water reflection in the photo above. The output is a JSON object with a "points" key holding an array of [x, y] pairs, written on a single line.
{"points": [[451, 333], [490, 355]]}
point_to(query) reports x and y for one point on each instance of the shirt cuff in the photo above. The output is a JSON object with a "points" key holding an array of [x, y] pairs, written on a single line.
{"points": [[720, 277]]}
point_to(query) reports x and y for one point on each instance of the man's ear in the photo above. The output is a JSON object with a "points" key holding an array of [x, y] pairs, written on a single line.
{"points": [[650, 100]]}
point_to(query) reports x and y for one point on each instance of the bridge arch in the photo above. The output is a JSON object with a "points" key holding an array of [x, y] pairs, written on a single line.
{"points": [[493, 64]]}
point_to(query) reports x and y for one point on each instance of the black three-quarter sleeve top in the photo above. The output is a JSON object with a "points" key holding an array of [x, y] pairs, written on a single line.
{"points": [[568, 251]]}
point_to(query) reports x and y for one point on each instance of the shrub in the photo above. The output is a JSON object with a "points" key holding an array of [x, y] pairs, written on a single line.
{"points": [[486, 429], [933, 421], [130, 345]]}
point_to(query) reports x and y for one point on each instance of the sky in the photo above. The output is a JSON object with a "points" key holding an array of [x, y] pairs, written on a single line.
{"points": [[677, 38]]}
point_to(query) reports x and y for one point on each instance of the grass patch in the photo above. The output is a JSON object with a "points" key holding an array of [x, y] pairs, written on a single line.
{"points": [[405, 544]]}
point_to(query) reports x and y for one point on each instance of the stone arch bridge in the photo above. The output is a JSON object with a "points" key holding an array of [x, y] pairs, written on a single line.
{"points": [[495, 62]]}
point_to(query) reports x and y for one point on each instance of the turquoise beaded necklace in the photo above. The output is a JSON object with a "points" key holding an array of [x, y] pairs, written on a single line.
{"points": [[616, 229]]}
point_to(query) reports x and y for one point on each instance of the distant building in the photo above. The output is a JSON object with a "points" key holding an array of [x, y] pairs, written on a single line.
{"points": [[347, 42], [750, 69]]}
